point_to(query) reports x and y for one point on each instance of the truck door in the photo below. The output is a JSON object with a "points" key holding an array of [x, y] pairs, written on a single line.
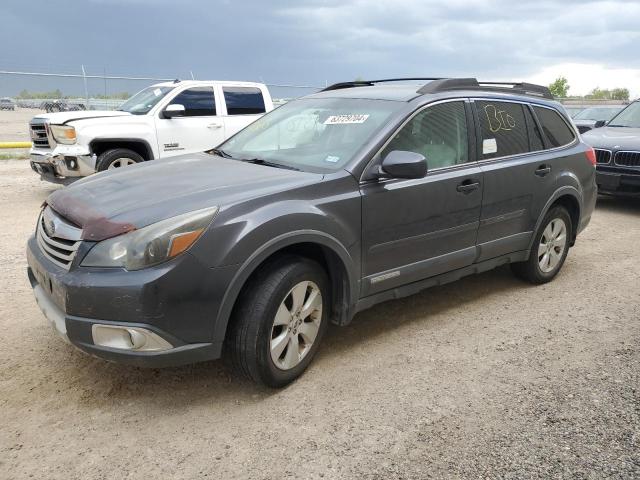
{"points": [[198, 130]]}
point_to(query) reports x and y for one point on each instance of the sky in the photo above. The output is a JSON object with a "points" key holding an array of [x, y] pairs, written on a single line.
{"points": [[313, 42]]}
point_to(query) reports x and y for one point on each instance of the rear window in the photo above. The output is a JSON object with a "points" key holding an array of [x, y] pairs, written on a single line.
{"points": [[554, 127], [243, 100], [503, 129]]}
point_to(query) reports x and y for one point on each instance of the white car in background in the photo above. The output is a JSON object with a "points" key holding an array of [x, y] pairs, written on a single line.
{"points": [[163, 120]]}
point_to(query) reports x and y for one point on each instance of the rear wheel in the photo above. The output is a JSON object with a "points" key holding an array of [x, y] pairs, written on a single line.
{"points": [[117, 158], [550, 248], [279, 321]]}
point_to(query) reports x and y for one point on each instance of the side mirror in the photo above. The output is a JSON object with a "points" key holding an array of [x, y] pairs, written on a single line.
{"points": [[174, 110], [402, 164], [600, 123]]}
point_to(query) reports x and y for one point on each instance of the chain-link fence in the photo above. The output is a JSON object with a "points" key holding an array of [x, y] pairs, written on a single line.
{"points": [[55, 92]]}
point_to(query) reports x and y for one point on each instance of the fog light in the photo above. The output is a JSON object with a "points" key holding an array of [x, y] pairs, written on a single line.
{"points": [[128, 338]]}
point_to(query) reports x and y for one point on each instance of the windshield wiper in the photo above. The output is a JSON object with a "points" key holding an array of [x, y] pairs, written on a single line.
{"points": [[220, 153], [621, 126], [261, 161]]}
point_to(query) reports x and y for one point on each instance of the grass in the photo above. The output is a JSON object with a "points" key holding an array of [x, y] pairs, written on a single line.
{"points": [[14, 156]]}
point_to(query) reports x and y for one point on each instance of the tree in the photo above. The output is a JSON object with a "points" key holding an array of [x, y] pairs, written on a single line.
{"points": [[599, 94], [620, 94], [560, 87]]}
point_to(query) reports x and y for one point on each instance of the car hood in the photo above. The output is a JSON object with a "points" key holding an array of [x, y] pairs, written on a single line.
{"points": [[117, 201], [64, 117], [613, 138], [584, 123]]}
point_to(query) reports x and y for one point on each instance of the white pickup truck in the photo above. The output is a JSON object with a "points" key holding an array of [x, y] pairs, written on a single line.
{"points": [[163, 120]]}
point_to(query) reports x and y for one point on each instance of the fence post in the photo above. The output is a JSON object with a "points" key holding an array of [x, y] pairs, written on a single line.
{"points": [[86, 90]]}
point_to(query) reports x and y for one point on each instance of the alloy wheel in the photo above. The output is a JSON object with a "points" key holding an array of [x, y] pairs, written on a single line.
{"points": [[296, 325], [552, 245]]}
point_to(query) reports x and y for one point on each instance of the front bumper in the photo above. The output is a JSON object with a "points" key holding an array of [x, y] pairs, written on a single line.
{"points": [[618, 183], [63, 164], [176, 301]]}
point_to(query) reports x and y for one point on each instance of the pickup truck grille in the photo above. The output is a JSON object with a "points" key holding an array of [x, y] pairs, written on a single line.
{"points": [[628, 159], [603, 156], [39, 134], [53, 244]]}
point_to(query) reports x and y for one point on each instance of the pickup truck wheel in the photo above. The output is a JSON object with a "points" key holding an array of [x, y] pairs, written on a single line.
{"points": [[549, 250], [116, 158], [280, 320]]}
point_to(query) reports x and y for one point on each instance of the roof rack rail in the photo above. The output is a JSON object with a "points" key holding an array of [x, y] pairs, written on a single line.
{"points": [[473, 84], [369, 83]]}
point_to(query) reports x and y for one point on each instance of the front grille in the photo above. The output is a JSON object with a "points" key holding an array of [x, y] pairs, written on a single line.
{"points": [[39, 135], [628, 159], [56, 247], [603, 156]]}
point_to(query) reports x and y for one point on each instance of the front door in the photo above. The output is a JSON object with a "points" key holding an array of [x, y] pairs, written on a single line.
{"points": [[415, 229], [198, 130]]}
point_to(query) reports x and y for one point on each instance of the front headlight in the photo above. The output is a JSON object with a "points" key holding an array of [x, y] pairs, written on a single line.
{"points": [[64, 134], [152, 244]]}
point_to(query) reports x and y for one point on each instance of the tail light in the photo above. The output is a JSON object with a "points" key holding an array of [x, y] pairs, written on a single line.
{"points": [[591, 156]]}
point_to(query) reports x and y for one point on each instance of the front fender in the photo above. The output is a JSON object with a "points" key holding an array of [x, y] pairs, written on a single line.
{"points": [[257, 258]]}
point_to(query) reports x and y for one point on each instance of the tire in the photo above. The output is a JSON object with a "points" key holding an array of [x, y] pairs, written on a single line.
{"points": [[117, 158], [268, 299], [545, 263]]}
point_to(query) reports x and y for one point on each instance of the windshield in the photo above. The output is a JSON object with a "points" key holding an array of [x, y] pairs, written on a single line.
{"points": [[597, 113], [629, 117], [312, 134], [144, 100]]}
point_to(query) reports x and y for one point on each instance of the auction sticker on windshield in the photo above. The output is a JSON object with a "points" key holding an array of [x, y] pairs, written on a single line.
{"points": [[344, 119]]}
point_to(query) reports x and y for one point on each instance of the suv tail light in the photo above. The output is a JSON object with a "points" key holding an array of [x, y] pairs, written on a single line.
{"points": [[591, 156]]}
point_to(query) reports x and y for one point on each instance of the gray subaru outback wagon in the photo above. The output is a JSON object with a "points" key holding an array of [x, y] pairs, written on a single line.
{"points": [[361, 193]]}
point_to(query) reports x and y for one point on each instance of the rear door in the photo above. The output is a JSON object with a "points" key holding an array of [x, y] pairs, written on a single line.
{"points": [[418, 228], [198, 130], [515, 176], [242, 105]]}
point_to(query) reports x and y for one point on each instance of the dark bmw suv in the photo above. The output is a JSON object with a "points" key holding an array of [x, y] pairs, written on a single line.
{"points": [[364, 192], [617, 147]]}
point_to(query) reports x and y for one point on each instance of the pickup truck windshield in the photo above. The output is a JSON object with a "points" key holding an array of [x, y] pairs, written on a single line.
{"points": [[144, 100], [629, 117], [311, 134]]}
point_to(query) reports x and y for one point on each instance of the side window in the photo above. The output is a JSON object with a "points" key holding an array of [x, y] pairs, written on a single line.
{"points": [[243, 100], [197, 101], [503, 129], [535, 137], [438, 132], [554, 127]]}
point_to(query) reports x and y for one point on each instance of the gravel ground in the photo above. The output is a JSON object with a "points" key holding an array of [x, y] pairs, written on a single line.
{"points": [[487, 377]]}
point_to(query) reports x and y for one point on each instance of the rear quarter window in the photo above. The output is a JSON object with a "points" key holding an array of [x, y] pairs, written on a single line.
{"points": [[243, 100], [503, 129], [554, 127]]}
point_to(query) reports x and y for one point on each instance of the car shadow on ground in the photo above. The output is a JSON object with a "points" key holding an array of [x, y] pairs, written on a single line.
{"points": [[608, 203], [215, 382]]}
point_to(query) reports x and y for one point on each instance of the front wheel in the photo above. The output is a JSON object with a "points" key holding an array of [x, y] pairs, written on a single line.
{"points": [[117, 158], [550, 248], [279, 321]]}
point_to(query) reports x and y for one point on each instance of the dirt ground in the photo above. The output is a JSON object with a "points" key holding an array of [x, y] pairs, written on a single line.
{"points": [[487, 377]]}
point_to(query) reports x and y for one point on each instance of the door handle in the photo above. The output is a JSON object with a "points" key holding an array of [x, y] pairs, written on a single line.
{"points": [[214, 125], [542, 170], [468, 186]]}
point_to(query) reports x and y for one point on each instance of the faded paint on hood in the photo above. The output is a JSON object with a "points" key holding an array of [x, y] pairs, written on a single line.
{"points": [[117, 201]]}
